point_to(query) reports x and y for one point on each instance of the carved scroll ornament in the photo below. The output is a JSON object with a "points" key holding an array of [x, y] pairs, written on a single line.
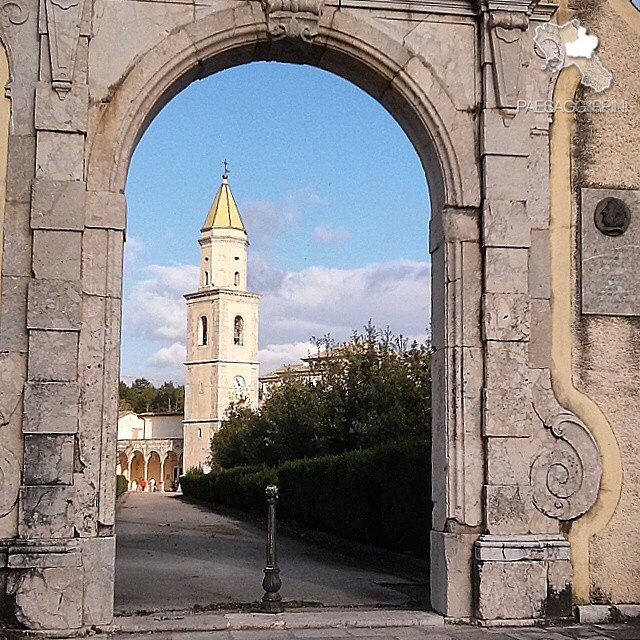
{"points": [[14, 11], [566, 477], [295, 19]]}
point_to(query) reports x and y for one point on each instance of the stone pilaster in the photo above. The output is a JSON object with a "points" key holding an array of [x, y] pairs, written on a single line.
{"points": [[457, 365]]}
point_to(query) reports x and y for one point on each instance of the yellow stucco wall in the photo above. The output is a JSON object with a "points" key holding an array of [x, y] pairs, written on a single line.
{"points": [[599, 376]]}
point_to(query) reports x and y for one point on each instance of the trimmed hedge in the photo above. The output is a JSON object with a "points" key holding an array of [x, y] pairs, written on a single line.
{"points": [[379, 496], [122, 486]]}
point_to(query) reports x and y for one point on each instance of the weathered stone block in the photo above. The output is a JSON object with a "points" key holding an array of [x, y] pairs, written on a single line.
{"points": [[507, 365], [53, 114], [51, 407], [438, 298], [454, 225], [47, 598], [506, 270], [506, 224], [524, 582], [48, 560], [458, 471], [53, 356], [46, 512], [12, 375], [115, 264], [58, 205], [59, 156], [13, 321], [92, 384], [540, 342], [106, 210], [559, 595], [452, 573], [54, 304], [538, 179], [506, 316], [57, 254], [496, 168], [502, 136], [538, 547], [16, 259], [508, 461], [508, 508], [609, 285], [540, 264], [48, 459], [20, 168], [106, 507], [469, 281], [98, 556], [94, 261]]}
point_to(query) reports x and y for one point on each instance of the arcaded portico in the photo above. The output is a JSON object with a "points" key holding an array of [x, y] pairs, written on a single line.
{"points": [[535, 316]]}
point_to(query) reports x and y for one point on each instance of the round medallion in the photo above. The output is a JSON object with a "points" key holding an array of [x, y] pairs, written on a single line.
{"points": [[612, 217]]}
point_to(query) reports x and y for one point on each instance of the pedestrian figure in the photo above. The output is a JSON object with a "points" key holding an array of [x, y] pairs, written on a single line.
{"points": [[143, 485], [152, 484]]}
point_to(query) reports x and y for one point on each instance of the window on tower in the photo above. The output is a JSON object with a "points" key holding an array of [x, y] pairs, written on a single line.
{"points": [[206, 278], [203, 337], [238, 331], [236, 279]]}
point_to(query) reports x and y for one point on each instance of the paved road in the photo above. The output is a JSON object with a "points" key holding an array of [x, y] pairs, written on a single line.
{"points": [[172, 554]]}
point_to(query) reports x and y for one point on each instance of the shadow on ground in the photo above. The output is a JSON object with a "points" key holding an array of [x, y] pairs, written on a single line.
{"points": [[176, 555]]}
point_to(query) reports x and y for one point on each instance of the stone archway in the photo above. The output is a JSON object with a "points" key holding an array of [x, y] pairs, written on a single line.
{"points": [[509, 463], [170, 470], [137, 470], [154, 471], [122, 468]]}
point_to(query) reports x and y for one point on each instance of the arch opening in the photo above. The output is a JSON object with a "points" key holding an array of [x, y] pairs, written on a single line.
{"points": [[419, 117]]}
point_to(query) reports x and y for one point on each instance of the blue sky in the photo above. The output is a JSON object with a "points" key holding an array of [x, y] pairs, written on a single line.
{"points": [[332, 193]]}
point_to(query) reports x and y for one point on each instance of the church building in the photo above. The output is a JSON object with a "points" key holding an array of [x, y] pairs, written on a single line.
{"points": [[222, 329]]}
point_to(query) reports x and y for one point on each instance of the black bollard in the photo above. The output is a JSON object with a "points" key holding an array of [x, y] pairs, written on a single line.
{"points": [[271, 583]]}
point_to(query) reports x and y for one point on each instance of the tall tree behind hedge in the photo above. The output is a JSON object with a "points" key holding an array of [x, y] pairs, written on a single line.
{"points": [[143, 396], [372, 390]]}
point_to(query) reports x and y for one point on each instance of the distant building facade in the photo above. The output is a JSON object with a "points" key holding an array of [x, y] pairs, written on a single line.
{"points": [[150, 447]]}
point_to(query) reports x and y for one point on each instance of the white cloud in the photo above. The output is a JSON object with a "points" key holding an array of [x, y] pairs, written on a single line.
{"points": [[171, 357], [296, 306], [155, 309], [329, 234], [275, 355], [321, 300], [133, 247], [262, 218]]}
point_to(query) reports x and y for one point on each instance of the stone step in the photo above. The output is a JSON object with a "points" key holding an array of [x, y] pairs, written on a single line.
{"points": [[289, 620]]}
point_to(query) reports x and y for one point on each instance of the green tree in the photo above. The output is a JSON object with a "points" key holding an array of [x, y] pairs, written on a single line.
{"points": [[370, 391], [142, 396]]}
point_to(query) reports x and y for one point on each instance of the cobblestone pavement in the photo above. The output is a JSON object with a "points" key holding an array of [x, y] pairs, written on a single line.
{"points": [[447, 632]]}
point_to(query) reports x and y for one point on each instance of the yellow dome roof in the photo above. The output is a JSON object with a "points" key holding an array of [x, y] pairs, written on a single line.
{"points": [[224, 212]]}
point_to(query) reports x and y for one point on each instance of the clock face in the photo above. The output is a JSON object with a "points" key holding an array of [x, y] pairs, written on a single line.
{"points": [[239, 383]]}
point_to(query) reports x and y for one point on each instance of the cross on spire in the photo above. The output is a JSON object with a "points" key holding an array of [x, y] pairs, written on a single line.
{"points": [[225, 175]]}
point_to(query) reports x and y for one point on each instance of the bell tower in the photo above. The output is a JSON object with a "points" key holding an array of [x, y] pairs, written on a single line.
{"points": [[222, 329]]}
